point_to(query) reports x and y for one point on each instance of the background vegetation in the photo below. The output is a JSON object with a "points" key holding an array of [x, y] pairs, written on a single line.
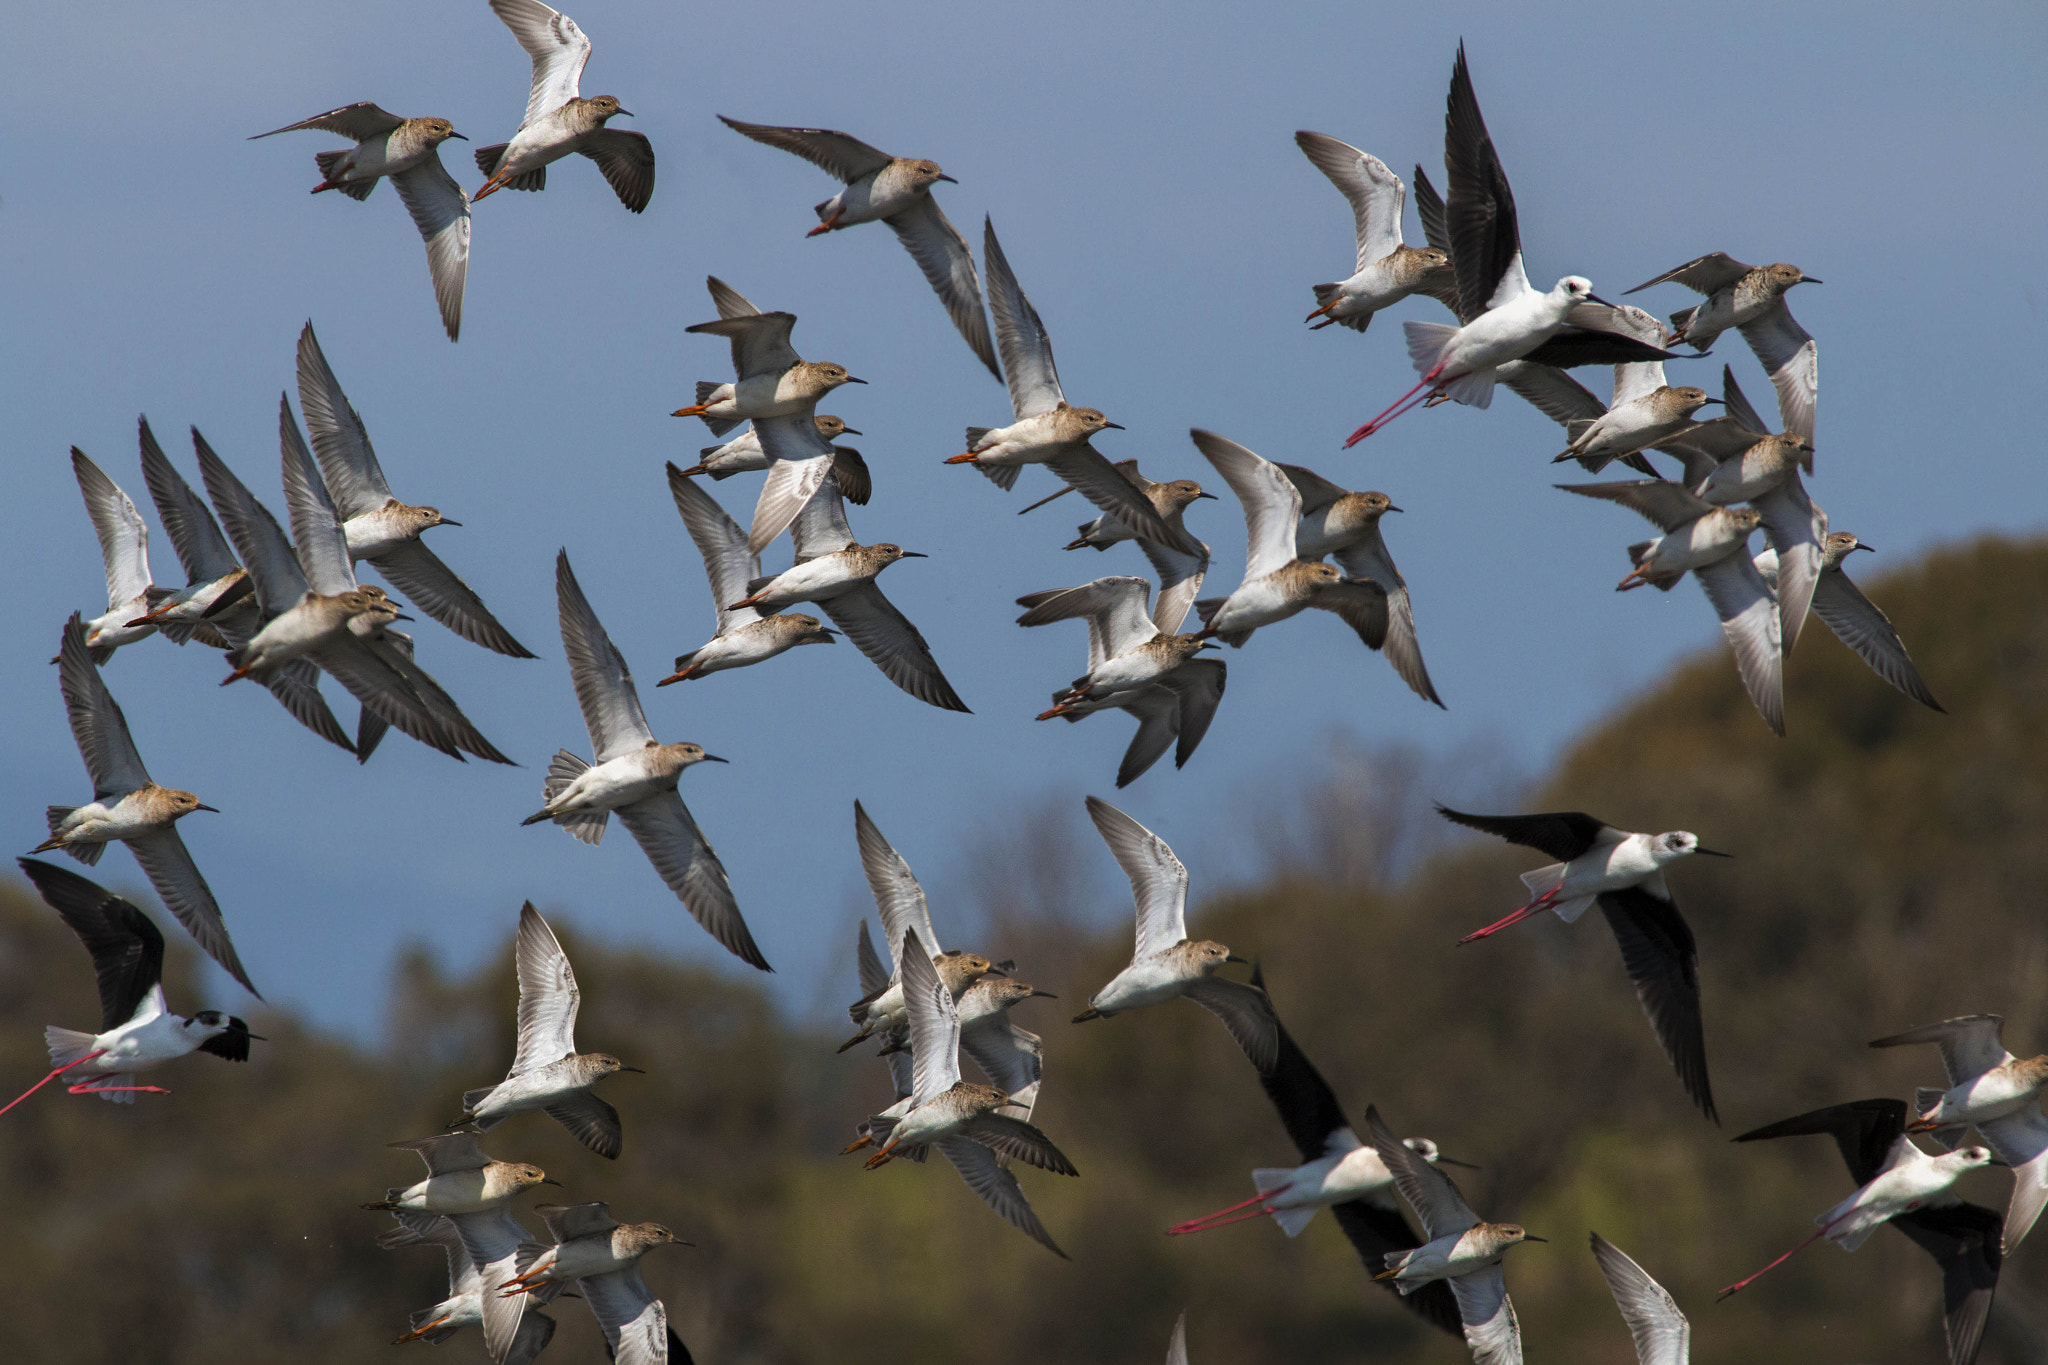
{"points": [[1889, 872]]}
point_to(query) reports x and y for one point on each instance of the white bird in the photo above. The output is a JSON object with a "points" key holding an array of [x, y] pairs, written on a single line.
{"points": [[124, 549], [838, 573], [129, 807], [377, 526], [1709, 542], [1462, 1250], [1504, 318], [1899, 1182], [896, 190], [635, 775], [558, 119], [1388, 270], [1049, 430], [138, 1032], [1166, 964], [1623, 873], [1661, 1333], [960, 1118], [602, 1256], [470, 1300], [1994, 1092], [408, 150], [745, 635], [548, 1073], [1278, 582]]}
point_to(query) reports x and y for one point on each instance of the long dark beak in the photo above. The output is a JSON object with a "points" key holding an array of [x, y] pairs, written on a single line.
{"points": [[214, 809], [996, 969], [1808, 279], [1861, 546], [627, 112], [400, 616], [1714, 400], [641, 1070], [1530, 1236], [1590, 298], [1713, 853], [1443, 1160], [1233, 957], [458, 135], [1392, 508], [1047, 995], [1210, 496], [849, 431], [851, 380], [550, 1180], [446, 522], [1114, 426], [246, 1034], [949, 179], [915, 554], [708, 758]]}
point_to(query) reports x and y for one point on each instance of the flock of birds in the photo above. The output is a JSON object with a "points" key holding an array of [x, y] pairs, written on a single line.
{"points": [[288, 607]]}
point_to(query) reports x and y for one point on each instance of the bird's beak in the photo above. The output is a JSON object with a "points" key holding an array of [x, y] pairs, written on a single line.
{"points": [[1714, 400], [708, 758], [1590, 298], [550, 1180], [446, 522], [915, 554], [949, 179], [1713, 853], [214, 809], [851, 431], [458, 135], [627, 112], [1443, 1160], [1530, 1236], [246, 1034], [994, 970], [641, 1070], [1808, 279], [1210, 496], [1861, 546], [1036, 994], [1233, 957], [1114, 426], [1207, 644], [1392, 508], [851, 380], [401, 616]]}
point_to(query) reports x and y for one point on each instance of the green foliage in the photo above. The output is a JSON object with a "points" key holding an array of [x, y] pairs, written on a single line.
{"points": [[1888, 873]]}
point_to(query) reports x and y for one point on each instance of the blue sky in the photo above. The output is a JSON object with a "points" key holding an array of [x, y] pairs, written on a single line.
{"points": [[1138, 163]]}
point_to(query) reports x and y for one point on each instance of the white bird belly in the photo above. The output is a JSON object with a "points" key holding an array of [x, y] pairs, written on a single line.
{"points": [[1149, 982], [608, 786]]}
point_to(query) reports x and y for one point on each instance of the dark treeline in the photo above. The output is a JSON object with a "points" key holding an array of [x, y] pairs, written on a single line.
{"points": [[1889, 872]]}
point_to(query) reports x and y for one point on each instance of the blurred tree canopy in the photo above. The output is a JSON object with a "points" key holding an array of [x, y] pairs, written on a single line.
{"points": [[1889, 871]]}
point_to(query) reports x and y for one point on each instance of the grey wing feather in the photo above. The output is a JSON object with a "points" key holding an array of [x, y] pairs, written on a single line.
{"points": [[1019, 1141], [1749, 620], [799, 458], [998, 1188], [760, 342], [1858, 623], [1662, 1335], [1028, 368], [1159, 880], [195, 535], [297, 686], [429, 584], [1089, 472], [1177, 1347], [548, 995], [1158, 713], [1316, 491], [728, 562], [943, 255], [440, 210], [1703, 274], [316, 524], [729, 302], [1668, 505], [558, 48], [833, 152], [892, 644], [356, 122], [898, 897], [1246, 1013], [1361, 605], [1429, 1192], [632, 1319], [98, 726], [123, 537], [1788, 353], [1180, 581], [604, 684], [821, 527], [626, 159], [1200, 683], [1376, 194], [1796, 528], [590, 1121], [1489, 1317], [348, 462], [679, 852], [184, 892], [1370, 561], [394, 649], [934, 1023], [1012, 1058], [256, 536], [874, 974]]}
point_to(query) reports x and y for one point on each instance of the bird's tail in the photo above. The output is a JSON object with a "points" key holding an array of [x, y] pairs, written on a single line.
{"points": [[1425, 343], [719, 425], [66, 1046], [327, 161]]}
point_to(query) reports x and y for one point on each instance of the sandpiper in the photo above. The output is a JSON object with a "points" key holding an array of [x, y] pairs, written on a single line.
{"points": [[470, 1301], [1167, 964], [634, 775], [838, 573], [377, 525], [127, 806], [1180, 563], [409, 151], [548, 1073], [1709, 542], [1388, 270], [216, 586], [771, 379], [1662, 1335], [745, 635], [558, 119], [743, 455], [1623, 873], [1899, 1183], [901, 903], [1646, 411], [602, 1256], [1344, 524], [896, 190], [1752, 299], [124, 548], [1048, 430], [1994, 1092], [1504, 318], [1127, 653], [460, 1178], [1462, 1249], [1278, 581], [962, 1119], [138, 1032], [1856, 620]]}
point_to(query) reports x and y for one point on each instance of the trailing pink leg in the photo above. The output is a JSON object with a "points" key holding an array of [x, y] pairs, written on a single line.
{"points": [[86, 1088], [1196, 1224], [51, 1077], [1746, 1282], [1535, 907], [1396, 408], [1214, 1222]]}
